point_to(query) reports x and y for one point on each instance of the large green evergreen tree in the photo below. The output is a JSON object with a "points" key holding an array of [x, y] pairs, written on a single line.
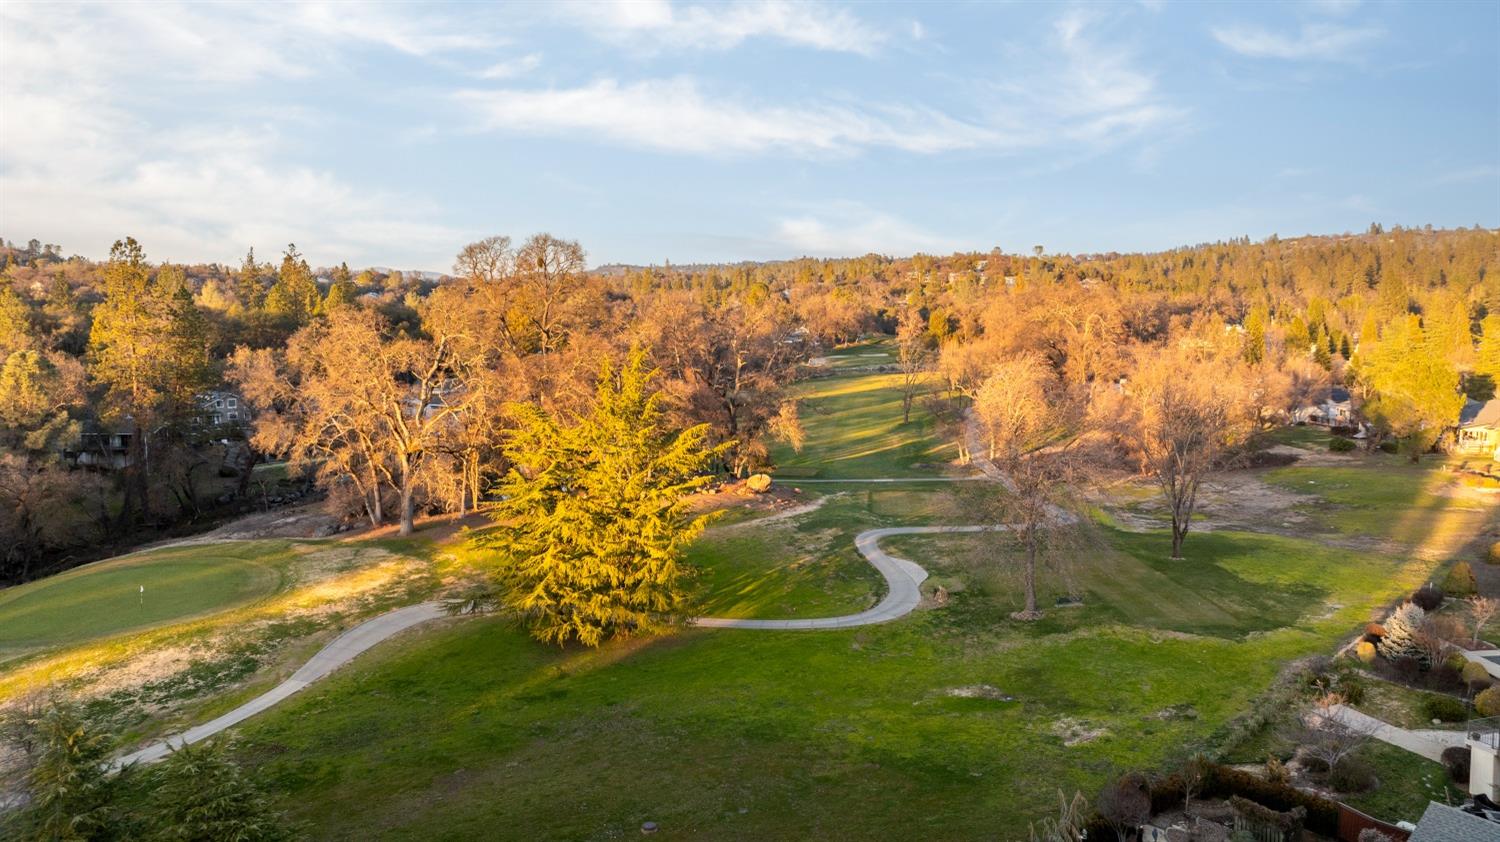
{"points": [[595, 520]]}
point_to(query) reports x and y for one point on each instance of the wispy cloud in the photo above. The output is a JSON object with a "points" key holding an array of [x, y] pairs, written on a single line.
{"points": [[1483, 172], [1081, 91], [675, 115], [511, 68], [85, 154], [720, 26], [1312, 42]]}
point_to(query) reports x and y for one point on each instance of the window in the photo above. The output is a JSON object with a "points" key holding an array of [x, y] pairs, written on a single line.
{"points": [[232, 403], [234, 416]]}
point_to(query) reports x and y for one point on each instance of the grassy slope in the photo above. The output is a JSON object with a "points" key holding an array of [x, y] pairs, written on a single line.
{"points": [[472, 731], [854, 430]]}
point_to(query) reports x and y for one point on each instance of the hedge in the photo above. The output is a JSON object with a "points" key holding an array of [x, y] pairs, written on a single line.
{"points": [[1224, 782]]}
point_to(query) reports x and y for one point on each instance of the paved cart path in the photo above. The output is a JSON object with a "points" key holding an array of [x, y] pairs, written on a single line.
{"points": [[903, 579]]}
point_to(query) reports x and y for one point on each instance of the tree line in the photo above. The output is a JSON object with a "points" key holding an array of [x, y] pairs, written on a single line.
{"points": [[396, 392]]}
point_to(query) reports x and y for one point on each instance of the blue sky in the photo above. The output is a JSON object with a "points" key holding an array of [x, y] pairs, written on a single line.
{"points": [[392, 134]]}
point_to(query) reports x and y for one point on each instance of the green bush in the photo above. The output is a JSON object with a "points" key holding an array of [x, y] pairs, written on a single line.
{"points": [[1445, 708], [1493, 556], [1339, 444], [1390, 447], [1460, 581], [1475, 675], [1488, 702], [1352, 775], [1456, 761]]}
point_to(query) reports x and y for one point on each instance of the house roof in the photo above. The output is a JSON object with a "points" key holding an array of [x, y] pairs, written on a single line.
{"points": [[1476, 414], [1449, 824], [1338, 394]]}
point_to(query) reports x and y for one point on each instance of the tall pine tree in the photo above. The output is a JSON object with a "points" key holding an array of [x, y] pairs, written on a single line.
{"points": [[595, 520]]}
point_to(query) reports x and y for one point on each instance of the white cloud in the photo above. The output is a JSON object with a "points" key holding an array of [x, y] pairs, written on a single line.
{"points": [[83, 156], [1313, 41], [674, 115], [849, 229], [1483, 172], [1082, 91], [511, 68], [723, 26]]}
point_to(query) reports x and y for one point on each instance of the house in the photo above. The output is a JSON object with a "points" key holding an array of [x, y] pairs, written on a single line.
{"points": [[1478, 429], [1441, 823], [223, 407], [1333, 409]]}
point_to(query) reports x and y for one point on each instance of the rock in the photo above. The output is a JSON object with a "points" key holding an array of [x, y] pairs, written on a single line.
{"points": [[759, 483]]}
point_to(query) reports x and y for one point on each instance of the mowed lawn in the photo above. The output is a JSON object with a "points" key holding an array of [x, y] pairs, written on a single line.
{"points": [[136, 592], [1420, 505], [470, 730], [854, 430]]}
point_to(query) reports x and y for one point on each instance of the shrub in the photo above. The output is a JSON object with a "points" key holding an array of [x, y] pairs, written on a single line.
{"points": [[1402, 632], [1276, 771], [1428, 597], [1493, 556], [1375, 631], [1339, 444], [1352, 775], [1390, 447], [1445, 708], [1456, 761], [1351, 687], [1365, 651], [1460, 581], [1476, 676], [1488, 702]]}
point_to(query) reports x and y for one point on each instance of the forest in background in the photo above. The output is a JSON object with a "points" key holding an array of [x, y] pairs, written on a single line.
{"points": [[395, 392]]}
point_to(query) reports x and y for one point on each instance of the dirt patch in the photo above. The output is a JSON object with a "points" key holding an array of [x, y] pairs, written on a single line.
{"points": [[979, 691], [1075, 732], [787, 513]]}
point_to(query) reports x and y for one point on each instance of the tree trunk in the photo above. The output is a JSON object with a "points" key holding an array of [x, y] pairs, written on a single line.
{"points": [[406, 498], [1031, 578], [1178, 533]]}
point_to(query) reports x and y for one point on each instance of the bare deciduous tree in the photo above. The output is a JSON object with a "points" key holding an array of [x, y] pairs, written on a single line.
{"points": [[1179, 421], [1126, 804], [1482, 609], [913, 358], [1030, 421], [489, 260]]}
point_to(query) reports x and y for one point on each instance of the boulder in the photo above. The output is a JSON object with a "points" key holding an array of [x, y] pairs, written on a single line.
{"points": [[758, 483]]}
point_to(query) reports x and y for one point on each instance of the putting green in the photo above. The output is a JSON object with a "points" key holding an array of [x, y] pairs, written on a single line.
{"points": [[108, 597]]}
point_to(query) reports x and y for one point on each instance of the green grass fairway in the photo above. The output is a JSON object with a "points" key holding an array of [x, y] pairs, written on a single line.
{"points": [[854, 430], [473, 731], [105, 598], [1388, 497]]}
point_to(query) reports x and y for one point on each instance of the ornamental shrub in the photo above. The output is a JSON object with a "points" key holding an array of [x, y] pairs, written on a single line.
{"points": [[1339, 444], [1445, 709], [1456, 761], [1476, 676], [1428, 596], [1352, 775], [1364, 651], [1460, 581], [1493, 556], [1402, 630], [1488, 702]]}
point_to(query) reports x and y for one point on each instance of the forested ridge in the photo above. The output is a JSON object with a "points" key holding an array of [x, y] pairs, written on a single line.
{"points": [[397, 392]]}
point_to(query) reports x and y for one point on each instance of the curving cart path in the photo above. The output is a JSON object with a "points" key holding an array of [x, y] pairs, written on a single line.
{"points": [[903, 579]]}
